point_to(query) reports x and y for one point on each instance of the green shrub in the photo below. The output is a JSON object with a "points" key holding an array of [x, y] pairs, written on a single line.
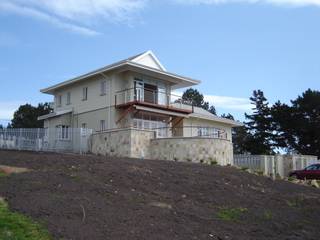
{"points": [[213, 162], [244, 168]]}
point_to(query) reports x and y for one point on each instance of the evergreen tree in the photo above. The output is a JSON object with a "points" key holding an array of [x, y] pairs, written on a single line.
{"points": [[194, 97], [27, 116], [260, 136], [298, 126], [240, 137]]}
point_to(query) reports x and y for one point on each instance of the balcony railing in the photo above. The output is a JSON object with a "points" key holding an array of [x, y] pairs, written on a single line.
{"points": [[152, 97], [190, 132]]}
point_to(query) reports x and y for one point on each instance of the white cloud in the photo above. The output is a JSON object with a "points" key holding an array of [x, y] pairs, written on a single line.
{"points": [[73, 15], [224, 102], [34, 13], [297, 3], [232, 103], [8, 108]]}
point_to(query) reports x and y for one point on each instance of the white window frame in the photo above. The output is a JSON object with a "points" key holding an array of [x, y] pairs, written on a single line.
{"points": [[103, 87], [68, 98], [85, 94], [102, 125], [64, 132], [59, 100], [46, 134]]}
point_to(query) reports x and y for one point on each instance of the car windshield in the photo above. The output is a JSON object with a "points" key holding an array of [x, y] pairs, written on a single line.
{"points": [[313, 167]]}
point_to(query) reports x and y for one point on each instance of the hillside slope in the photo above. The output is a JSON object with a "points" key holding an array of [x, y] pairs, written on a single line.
{"points": [[91, 197]]}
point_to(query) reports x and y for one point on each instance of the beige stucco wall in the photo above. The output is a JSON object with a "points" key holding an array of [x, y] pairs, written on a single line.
{"points": [[205, 150], [56, 121]]}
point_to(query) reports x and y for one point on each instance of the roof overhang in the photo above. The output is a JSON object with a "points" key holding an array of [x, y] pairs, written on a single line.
{"points": [[226, 121], [159, 111], [54, 114], [176, 80]]}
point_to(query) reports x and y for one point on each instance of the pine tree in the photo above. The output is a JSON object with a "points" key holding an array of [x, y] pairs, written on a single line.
{"points": [[259, 126]]}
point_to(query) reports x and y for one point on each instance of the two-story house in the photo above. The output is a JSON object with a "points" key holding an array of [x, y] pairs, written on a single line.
{"points": [[133, 93]]}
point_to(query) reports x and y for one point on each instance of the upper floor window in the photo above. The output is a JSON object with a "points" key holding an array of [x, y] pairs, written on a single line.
{"points": [[59, 100], [85, 93], [68, 98], [103, 87]]}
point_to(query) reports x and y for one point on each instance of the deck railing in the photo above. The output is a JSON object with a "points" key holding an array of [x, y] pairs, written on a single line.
{"points": [[155, 97], [190, 131]]}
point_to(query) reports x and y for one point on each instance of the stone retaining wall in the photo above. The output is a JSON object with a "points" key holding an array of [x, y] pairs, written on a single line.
{"points": [[137, 143], [122, 143], [204, 150]]}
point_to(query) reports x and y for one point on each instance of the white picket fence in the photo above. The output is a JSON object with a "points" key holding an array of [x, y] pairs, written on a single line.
{"points": [[275, 165], [46, 139]]}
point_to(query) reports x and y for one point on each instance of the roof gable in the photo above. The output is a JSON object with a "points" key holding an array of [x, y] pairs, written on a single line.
{"points": [[148, 59]]}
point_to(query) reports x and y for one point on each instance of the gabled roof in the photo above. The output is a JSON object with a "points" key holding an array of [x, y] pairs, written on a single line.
{"points": [[146, 61], [148, 54]]}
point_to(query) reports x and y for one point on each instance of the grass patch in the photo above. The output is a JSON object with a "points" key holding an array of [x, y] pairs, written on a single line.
{"points": [[231, 214], [2, 174], [296, 202], [14, 226], [267, 215]]}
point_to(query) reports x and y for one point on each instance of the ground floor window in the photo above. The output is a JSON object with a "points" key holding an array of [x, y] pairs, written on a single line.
{"points": [[208, 132], [102, 125], [152, 122], [63, 132], [46, 134]]}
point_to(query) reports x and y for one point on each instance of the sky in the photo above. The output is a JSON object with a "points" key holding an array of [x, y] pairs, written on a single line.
{"points": [[232, 46]]}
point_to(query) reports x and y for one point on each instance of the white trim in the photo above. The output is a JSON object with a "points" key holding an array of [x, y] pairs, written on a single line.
{"points": [[124, 63], [149, 52], [54, 114], [166, 112]]}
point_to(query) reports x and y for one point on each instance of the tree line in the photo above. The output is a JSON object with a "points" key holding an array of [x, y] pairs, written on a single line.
{"points": [[291, 128]]}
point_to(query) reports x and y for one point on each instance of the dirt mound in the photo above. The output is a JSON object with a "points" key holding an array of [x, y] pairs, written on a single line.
{"points": [[90, 197]]}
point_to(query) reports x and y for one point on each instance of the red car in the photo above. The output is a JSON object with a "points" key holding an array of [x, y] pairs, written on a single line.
{"points": [[311, 172]]}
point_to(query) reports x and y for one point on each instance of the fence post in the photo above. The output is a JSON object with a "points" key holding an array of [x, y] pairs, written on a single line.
{"points": [[38, 139], [20, 138]]}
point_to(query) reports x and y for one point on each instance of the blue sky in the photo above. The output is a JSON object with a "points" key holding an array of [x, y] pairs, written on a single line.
{"points": [[232, 46]]}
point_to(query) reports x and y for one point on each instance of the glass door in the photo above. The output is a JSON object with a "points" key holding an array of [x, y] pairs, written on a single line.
{"points": [[139, 90]]}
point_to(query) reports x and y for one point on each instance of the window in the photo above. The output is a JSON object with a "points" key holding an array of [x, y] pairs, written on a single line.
{"points": [[59, 100], [103, 87], [83, 125], [46, 134], [85, 93], [68, 98], [102, 125], [63, 132]]}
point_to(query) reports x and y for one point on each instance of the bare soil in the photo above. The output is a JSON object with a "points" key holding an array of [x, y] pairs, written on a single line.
{"points": [[93, 198]]}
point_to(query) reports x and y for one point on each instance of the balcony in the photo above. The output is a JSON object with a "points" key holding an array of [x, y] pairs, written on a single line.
{"points": [[152, 98]]}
